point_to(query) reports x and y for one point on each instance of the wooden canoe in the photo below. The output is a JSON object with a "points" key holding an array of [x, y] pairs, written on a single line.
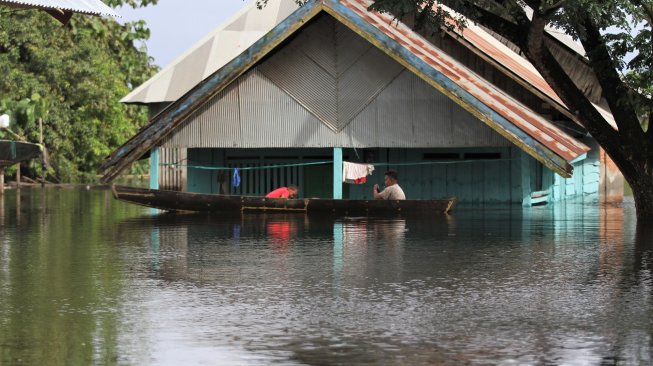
{"points": [[198, 202], [13, 152]]}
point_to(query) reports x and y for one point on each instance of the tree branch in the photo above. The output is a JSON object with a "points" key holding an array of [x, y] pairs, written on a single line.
{"points": [[549, 10], [514, 32], [540, 56], [648, 10], [614, 90], [534, 4]]}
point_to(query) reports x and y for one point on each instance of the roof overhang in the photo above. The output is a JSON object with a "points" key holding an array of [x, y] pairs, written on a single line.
{"points": [[508, 117], [509, 62], [62, 10]]}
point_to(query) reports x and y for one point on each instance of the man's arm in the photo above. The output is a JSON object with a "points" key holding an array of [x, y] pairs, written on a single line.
{"points": [[377, 194]]}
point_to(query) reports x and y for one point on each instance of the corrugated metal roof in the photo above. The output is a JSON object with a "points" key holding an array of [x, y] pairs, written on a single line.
{"points": [[507, 116], [518, 67], [240, 32], [93, 7], [212, 52], [528, 121]]}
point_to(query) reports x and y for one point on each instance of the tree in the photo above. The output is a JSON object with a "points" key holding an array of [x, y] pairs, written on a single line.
{"points": [[72, 78], [616, 35]]}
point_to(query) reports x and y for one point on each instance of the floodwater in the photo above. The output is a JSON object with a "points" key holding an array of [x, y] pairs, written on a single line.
{"points": [[85, 279]]}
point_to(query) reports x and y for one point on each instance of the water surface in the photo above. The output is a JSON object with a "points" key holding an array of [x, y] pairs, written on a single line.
{"points": [[85, 279]]}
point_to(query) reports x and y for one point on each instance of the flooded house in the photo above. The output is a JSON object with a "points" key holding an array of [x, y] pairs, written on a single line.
{"points": [[288, 94]]}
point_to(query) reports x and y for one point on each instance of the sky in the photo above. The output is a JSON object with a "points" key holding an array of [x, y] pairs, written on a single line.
{"points": [[176, 25]]}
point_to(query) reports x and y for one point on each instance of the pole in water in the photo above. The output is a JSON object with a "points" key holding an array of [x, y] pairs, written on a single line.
{"points": [[2, 180], [42, 159]]}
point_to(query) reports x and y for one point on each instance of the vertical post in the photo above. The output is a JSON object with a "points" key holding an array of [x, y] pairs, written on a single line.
{"points": [[2, 180], [337, 173], [526, 179], [154, 168], [18, 175], [42, 159]]}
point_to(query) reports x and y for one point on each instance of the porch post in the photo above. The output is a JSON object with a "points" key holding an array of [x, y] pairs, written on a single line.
{"points": [[526, 179], [337, 173], [154, 168]]}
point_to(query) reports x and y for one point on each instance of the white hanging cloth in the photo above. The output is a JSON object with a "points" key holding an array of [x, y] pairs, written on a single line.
{"points": [[355, 173]]}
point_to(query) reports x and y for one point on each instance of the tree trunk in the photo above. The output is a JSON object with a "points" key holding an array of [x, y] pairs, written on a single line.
{"points": [[642, 186], [643, 261]]}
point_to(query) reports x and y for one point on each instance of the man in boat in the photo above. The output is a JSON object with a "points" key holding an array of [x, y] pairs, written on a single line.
{"points": [[392, 191], [284, 192]]}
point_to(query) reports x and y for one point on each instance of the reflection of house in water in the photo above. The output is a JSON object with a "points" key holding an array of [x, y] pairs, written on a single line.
{"points": [[197, 248], [271, 248], [456, 114], [368, 250]]}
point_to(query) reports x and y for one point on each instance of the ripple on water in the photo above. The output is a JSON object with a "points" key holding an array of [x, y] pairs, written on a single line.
{"points": [[556, 285]]}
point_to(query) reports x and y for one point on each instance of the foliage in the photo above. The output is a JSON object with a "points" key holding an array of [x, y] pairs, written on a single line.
{"points": [[72, 78], [624, 24]]}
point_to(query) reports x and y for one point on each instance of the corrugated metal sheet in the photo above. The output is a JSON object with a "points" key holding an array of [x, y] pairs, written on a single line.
{"points": [[506, 57], [529, 122], [404, 110], [486, 102], [363, 131], [363, 82], [349, 49], [317, 41], [217, 123], [93, 7], [212, 52], [407, 113], [411, 113], [306, 70], [311, 85], [271, 118], [518, 67]]}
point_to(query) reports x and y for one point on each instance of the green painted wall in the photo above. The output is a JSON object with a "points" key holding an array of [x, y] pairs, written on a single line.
{"points": [[584, 184], [312, 180], [473, 175], [202, 180]]}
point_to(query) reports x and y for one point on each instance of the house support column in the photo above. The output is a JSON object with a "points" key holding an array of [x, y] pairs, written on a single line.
{"points": [[154, 168], [2, 180], [337, 173], [526, 179]]}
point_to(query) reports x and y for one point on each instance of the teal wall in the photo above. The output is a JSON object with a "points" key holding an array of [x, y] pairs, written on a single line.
{"points": [[313, 180], [480, 175], [202, 180], [473, 175], [584, 183]]}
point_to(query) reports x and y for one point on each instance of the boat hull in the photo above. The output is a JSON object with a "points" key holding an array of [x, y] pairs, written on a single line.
{"points": [[13, 152], [198, 202]]}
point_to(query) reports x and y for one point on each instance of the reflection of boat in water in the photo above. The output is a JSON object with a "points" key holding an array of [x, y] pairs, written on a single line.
{"points": [[198, 202], [13, 152]]}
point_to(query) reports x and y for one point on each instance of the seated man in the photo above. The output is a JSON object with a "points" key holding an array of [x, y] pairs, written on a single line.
{"points": [[392, 190], [284, 192]]}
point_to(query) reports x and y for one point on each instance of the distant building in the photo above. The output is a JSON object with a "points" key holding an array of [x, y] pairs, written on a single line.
{"points": [[63, 10], [457, 115]]}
